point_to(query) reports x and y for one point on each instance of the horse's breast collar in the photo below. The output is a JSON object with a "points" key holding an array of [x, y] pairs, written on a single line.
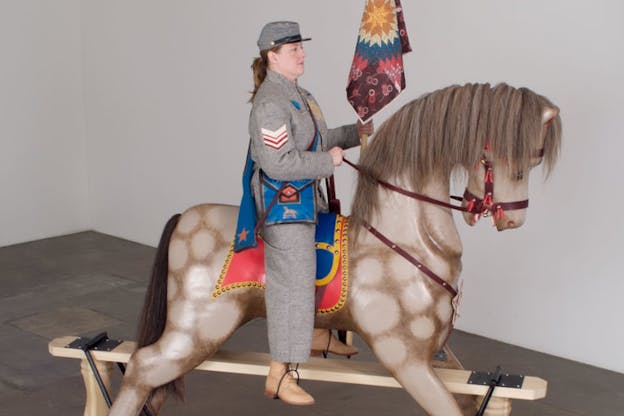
{"points": [[477, 206]]}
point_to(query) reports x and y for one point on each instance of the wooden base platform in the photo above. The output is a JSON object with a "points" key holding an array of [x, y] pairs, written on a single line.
{"points": [[332, 370]]}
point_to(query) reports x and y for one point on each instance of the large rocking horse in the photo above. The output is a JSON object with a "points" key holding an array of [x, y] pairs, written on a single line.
{"points": [[404, 252]]}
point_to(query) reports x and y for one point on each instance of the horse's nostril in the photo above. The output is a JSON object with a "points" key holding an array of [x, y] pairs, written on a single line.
{"points": [[511, 223]]}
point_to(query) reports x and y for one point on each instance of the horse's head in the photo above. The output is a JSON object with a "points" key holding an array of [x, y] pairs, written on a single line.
{"points": [[478, 127], [498, 185]]}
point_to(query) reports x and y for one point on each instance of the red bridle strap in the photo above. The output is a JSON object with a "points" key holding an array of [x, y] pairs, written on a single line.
{"points": [[487, 206], [476, 205]]}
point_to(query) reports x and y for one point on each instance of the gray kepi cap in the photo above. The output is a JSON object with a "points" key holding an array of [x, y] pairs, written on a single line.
{"points": [[279, 33]]}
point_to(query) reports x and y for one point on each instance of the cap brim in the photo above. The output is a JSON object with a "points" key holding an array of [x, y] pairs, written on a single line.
{"points": [[288, 39], [295, 41]]}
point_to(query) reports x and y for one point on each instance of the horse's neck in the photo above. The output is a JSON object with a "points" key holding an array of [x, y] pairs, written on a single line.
{"points": [[425, 230]]}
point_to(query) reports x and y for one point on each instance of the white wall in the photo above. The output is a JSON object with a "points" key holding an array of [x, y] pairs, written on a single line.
{"points": [[166, 120], [43, 174], [555, 285], [166, 92]]}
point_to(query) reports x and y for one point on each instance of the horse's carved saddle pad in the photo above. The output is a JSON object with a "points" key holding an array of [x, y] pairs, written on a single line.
{"points": [[245, 269]]}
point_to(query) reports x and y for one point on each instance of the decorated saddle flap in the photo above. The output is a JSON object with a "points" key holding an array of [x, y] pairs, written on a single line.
{"points": [[245, 269]]}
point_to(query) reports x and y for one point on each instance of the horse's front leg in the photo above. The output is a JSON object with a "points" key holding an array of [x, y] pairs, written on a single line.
{"points": [[422, 383], [416, 375], [405, 345]]}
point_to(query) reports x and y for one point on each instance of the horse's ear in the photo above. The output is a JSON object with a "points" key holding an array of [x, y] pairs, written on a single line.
{"points": [[549, 114]]}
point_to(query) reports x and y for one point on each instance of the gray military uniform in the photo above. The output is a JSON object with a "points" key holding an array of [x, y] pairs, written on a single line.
{"points": [[281, 130]]}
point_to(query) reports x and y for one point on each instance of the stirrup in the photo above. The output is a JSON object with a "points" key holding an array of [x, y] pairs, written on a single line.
{"points": [[326, 352]]}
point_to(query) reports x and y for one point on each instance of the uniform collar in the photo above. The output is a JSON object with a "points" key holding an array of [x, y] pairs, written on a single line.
{"points": [[282, 81]]}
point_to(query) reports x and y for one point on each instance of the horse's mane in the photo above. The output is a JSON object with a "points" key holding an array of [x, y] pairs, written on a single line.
{"points": [[433, 134]]}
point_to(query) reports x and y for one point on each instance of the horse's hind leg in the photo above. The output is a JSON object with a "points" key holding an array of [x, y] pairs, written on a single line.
{"points": [[155, 365], [195, 330]]}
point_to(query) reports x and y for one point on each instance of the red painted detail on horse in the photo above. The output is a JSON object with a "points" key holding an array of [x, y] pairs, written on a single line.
{"points": [[487, 201], [499, 214]]}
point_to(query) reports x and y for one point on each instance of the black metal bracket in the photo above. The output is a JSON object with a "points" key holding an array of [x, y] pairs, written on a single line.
{"points": [[100, 342], [483, 378], [496, 379]]}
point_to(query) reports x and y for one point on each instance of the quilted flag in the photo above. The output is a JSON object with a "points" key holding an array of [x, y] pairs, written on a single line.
{"points": [[376, 75]]}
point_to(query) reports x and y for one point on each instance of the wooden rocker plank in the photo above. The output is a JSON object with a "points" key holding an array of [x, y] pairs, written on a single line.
{"points": [[341, 371]]}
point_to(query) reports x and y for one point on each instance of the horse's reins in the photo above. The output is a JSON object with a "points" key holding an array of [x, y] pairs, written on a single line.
{"points": [[476, 206]]}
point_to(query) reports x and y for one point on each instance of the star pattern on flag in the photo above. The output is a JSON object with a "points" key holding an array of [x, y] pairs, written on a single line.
{"points": [[379, 23], [377, 73]]}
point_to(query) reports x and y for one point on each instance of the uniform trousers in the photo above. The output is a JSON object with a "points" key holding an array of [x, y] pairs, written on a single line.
{"points": [[290, 265]]}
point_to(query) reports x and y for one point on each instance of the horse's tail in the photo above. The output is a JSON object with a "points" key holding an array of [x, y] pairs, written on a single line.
{"points": [[154, 314]]}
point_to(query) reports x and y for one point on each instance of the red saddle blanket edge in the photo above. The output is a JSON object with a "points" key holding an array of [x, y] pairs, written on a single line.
{"points": [[245, 269]]}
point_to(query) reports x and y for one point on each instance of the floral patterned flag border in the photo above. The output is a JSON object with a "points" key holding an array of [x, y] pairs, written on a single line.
{"points": [[377, 75]]}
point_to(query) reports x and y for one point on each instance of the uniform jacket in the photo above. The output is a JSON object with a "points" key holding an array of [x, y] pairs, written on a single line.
{"points": [[281, 130]]}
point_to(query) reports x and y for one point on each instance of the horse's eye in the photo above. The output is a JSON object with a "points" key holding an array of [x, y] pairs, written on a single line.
{"points": [[519, 175]]}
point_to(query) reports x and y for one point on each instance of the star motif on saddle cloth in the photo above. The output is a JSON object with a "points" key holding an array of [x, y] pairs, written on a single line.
{"points": [[245, 269], [275, 139], [242, 236]]}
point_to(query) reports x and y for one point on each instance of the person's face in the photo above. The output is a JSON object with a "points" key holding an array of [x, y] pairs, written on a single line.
{"points": [[288, 60]]}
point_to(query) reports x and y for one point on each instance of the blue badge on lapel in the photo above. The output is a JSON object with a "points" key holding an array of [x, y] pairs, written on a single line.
{"points": [[296, 104]]}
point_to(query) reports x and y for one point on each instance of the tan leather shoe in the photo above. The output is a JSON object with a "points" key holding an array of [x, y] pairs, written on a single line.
{"points": [[280, 384], [323, 342]]}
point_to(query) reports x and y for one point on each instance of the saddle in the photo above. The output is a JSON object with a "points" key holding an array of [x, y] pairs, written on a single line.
{"points": [[245, 269]]}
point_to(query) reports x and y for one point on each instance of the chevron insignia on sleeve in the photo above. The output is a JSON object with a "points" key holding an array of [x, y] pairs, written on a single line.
{"points": [[275, 139]]}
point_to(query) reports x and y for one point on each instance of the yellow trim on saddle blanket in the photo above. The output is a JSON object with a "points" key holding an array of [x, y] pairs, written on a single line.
{"points": [[334, 249], [337, 288], [258, 282]]}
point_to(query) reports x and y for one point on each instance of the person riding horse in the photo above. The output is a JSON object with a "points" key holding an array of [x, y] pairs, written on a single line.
{"points": [[291, 149]]}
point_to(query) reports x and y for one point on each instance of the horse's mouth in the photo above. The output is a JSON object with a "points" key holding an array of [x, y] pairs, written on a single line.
{"points": [[505, 224], [501, 224]]}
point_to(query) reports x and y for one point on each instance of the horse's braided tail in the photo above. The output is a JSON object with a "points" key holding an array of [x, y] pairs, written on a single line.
{"points": [[154, 313]]}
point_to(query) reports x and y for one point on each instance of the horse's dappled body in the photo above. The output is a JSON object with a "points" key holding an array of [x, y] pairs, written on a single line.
{"points": [[401, 313]]}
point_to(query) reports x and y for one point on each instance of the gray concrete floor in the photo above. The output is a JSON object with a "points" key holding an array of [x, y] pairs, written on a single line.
{"points": [[88, 282]]}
